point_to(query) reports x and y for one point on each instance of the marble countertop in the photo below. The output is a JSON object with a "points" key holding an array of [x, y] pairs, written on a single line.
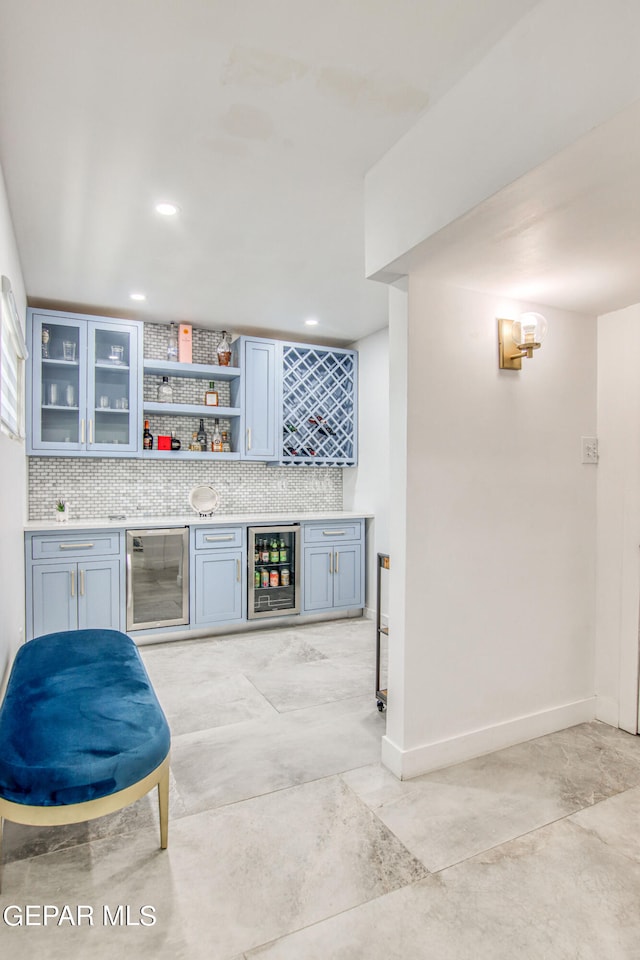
{"points": [[140, 522]]}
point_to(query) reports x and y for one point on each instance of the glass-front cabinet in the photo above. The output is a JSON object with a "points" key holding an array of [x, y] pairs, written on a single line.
{"points": [[85, 385]]}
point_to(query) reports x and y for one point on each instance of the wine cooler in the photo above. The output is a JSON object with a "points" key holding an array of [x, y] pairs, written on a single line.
{"points": [[274, 571]]}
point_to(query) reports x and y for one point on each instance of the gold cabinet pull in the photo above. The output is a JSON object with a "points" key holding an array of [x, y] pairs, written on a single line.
{"points": [[337, 562], [90, 431], [238, 570], [220, 536], [73, 583], [82, 430], [334, 533], [75, 546], [81, 578], [248, 438], [330, 562]]}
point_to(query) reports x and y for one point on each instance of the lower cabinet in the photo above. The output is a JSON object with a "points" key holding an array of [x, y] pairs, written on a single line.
{"points": [[218, 575], [333, 569], [75, 593]]}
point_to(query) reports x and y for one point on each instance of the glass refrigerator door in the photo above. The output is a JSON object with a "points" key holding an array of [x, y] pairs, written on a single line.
{"points": [[274, 584], [157, 578]]}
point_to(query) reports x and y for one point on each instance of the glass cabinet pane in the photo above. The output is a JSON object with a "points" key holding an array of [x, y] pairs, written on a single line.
{"points": [[110, 399], [60, 382]]}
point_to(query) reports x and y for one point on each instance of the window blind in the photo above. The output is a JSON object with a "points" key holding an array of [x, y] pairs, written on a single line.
{"points": [[13, 353]]}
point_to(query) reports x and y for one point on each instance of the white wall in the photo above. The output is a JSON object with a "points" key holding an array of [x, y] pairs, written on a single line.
{"points": [[13, 474], [366, 487], [618, 596], [536, 92], [493, 628]]}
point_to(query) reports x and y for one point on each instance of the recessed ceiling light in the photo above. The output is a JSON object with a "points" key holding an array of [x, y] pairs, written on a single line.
{"points": [[166, 209], [312, 322], [138, 296]]}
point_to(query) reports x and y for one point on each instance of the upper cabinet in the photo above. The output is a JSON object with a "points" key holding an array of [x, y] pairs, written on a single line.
{"points": [[260, 400], [84, 385]]}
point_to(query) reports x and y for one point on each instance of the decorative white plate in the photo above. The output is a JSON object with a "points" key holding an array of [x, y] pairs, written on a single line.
{"points": [[204, 500]]}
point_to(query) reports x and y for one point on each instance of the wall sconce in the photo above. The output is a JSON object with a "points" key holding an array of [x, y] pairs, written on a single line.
{"points": [[519, 338]]}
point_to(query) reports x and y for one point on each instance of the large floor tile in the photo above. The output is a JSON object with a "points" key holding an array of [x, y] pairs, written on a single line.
{"points": [[231, 879], [309, 684], [453, 814], [613, 821], [556, 894], [231, 763]]}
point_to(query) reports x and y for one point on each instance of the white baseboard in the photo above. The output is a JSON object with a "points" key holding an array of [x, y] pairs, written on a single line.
{"points": [[406, 764]]}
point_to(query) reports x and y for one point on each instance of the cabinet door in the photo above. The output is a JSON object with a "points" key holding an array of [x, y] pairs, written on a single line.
{"points": [[54, 590], [317, 592], [98, 590], [260, 389], [113, 376], [57, 414], [218, 587], [347, 575]]}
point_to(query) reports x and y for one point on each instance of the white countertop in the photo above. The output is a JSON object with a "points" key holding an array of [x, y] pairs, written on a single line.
{"points": [[139, 522]]}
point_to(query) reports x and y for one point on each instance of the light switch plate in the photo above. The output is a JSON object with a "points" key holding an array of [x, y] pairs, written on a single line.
{"points": [[589, 449]]}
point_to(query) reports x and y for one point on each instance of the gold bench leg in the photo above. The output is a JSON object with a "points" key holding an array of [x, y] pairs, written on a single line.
{"points": [[163, 807]]}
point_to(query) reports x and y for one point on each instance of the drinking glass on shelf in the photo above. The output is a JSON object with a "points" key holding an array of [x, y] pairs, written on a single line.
{"points": [[117, 353], [53, 394], [103, 402], [68, 350], [70, 394], [122, 403]]}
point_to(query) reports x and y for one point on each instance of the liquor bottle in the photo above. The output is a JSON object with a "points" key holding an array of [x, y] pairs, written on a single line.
{"points": [[224, 350], [147, 438], [211, 395], [165, 393], [226, 443], [216, 440], [172, 343], [201, 436], [265, 551], [175, 443], [195, 443]]}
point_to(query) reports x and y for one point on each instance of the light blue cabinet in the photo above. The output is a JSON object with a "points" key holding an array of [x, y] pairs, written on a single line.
{"points": [[261, 423], [333, 567], [73, 587], [218, 582], [84, 385]]}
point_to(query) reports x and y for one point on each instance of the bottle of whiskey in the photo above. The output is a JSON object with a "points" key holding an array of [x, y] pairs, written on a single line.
{"points": [[175, 443], [224, 350], [216, 440], [211, 395], [147, 438]]}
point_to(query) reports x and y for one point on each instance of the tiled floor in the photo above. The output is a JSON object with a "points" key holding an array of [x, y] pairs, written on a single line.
{"points": [[289, 841]]}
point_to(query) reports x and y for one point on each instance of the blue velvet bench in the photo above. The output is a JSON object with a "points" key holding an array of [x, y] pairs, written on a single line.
{"points": [[81, 731]]}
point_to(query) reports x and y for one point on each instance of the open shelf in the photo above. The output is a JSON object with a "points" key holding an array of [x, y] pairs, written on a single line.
{"points": [[195, 371], [187, 455], [189, 410]]}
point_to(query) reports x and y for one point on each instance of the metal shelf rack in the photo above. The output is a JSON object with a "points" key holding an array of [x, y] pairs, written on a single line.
{"points": [[381, 631]]}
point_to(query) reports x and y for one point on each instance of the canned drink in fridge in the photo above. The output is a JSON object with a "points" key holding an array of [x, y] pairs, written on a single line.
{"points": [[274, 579], [258, 579], [264, 576], [285, 577]]}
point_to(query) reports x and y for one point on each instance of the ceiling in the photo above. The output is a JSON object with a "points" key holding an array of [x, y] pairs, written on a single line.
{"points": [[259, 119], [566, 234]]}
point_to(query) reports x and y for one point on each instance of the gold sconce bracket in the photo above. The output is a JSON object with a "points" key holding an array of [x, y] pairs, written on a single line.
{"points": [[509, 357]]}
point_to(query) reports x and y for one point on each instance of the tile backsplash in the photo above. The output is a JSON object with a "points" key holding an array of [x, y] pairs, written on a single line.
{"points": [[97, 488]]}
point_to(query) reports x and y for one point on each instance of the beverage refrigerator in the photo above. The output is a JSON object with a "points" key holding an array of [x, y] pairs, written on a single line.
{"points": [[274, 571]]}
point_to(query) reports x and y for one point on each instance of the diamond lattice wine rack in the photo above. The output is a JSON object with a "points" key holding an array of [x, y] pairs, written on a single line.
{"points": [[319, 406]]}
